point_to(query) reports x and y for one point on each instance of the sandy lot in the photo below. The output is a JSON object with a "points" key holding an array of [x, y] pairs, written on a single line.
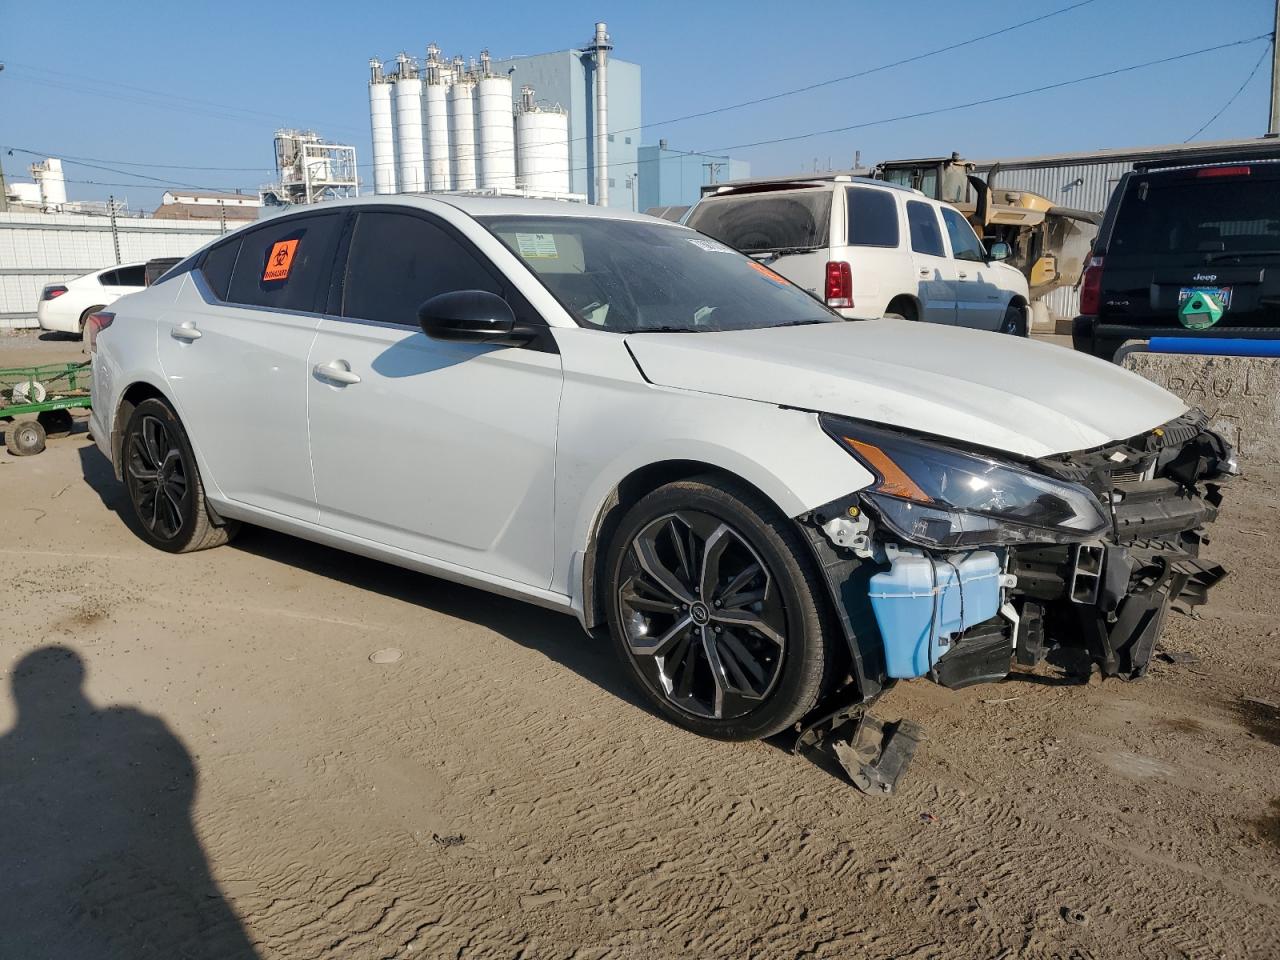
{"points": [[233, 777]]}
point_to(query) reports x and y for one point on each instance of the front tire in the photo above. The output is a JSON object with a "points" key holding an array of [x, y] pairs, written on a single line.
{"points": [[715, 610], [1015, 321], [163, 483]]}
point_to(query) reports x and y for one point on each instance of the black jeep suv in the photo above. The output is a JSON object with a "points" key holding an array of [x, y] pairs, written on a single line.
{"points": [[1185, 251]]}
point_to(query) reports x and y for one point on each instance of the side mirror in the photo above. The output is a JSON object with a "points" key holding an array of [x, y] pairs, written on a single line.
{"points": [[470, 316], [998, 251]]}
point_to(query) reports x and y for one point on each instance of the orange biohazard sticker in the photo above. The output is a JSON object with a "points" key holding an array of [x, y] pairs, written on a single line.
{"points": [[280, 261], [765, 272]]}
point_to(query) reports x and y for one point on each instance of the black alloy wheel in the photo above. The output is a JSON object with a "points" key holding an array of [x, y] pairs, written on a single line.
{"points": [[157, 475], [703, 619], [163, 483], [715, 609]]}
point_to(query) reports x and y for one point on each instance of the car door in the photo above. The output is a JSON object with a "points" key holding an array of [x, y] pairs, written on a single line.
{"points": [[233, 348], [980, 302], [446, 450], [935, 271]]}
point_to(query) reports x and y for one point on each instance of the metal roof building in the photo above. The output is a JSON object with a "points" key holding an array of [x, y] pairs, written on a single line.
{"points": [[1085, 180]]}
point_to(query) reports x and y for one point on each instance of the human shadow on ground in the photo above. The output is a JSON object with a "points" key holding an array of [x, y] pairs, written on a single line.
{"points": [[98, 853]]}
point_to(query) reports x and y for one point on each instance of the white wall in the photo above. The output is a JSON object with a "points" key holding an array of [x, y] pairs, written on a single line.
{"points": [[37, 249]]}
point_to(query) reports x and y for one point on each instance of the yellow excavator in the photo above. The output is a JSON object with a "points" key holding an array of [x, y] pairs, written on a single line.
{"points": [[1048, 243]]}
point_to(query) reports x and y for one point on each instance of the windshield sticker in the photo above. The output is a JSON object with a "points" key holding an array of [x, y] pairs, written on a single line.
{"points": [[280, 261], [710, 246], [537, 246], [768, 274]]}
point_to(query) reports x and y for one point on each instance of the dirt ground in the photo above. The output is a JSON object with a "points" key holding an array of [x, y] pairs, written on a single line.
{"points": [[236, 778]]}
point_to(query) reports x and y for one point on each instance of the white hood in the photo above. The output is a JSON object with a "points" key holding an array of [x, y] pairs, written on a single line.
{"points": [[988, 389]]}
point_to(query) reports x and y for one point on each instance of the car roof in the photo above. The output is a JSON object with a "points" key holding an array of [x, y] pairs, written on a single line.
{"points": [[114, 266], [779, 186], [474, 206]]}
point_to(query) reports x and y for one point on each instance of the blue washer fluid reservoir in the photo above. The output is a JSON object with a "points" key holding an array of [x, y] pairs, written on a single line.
{"points": [[922, 602]]}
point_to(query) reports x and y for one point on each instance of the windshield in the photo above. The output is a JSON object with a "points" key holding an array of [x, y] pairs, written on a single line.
{"points": [[767, 222], [1202, 218], [629, 276]]}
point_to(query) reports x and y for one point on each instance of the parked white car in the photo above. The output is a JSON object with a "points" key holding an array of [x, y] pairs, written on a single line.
{"points": [[64, 307], [619, 418], [871, 249]]}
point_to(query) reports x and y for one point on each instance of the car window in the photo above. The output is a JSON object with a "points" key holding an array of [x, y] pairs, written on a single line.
{"points": [[108, 279], [767, 222], [965, 244], [398, 261], [873, 217], [287, 264], [631, 276], [217, 266], [131, 277], [925, 235], [1197, 217]]}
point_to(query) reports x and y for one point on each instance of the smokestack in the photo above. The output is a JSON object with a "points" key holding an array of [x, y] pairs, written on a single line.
{"points": [[601, 46]]}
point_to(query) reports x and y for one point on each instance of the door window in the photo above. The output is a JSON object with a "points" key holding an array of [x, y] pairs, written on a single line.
{"points": [[398, 261], [287, 264], [965, 244], [126, 277], [925, 236], [873, 218], [217, 266]]}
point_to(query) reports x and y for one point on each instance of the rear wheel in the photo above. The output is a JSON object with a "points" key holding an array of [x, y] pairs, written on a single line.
{"points": [[715, 610], [24, 438], [901, 308], [164, 485]]}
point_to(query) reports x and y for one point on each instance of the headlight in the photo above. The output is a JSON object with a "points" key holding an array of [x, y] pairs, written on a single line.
{"points": [[937, 496]]}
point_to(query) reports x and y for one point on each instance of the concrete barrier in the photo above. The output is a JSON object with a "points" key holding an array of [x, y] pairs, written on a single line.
{"points": [[1241, 395]]}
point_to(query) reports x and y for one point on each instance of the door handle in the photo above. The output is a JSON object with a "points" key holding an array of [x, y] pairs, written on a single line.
{"points": [[924, 271], [185, 331], [963, 275], [338, 371]]}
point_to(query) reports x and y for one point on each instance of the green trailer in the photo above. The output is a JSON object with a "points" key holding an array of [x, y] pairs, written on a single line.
{"points": [[37, 403]]}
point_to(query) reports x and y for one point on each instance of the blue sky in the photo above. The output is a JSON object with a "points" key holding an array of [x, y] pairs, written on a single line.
{"points": [[206, 84]]}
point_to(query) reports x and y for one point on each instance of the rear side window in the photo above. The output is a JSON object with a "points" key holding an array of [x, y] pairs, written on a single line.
{"points": [[925, 235], [288, 264], [765, 222], [131, 277], [873, 218], [397, 261], [217, 266], [108, 279], [1214, 215], [965, 244]]}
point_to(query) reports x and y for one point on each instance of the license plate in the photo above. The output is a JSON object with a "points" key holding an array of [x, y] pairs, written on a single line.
{"points": [[1221, 294]]}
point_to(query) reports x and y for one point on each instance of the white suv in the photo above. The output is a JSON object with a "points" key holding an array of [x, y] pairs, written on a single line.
{"points": [[871, 249]]}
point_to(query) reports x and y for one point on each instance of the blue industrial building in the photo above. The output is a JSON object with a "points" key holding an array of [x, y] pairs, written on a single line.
{"points": [[568, 78], [673, 178]]}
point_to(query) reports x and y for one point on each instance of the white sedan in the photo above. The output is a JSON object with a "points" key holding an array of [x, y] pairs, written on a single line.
{"points": [[65, 307], [625, 420]]}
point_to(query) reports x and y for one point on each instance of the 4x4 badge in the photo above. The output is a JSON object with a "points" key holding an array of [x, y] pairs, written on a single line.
{"points": [[1201, 310]]}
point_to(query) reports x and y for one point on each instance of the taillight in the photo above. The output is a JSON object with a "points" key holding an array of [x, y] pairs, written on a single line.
{"points": [[1224, 172], [52, 293], [96, 323], [839, 284], [1091, 288]]}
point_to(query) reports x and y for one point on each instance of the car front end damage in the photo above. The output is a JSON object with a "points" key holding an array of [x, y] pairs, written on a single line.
{"points": [[957, 564]]}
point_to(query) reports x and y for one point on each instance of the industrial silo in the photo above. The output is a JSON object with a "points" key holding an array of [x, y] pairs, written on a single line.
{"points": [[411, 171], [436, 112], [542, 146], [495, 134], [462, 128], [383, 124]]}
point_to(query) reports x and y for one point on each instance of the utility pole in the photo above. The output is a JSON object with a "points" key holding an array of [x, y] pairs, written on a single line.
{"points": [[4, 191], [1273, 126]]}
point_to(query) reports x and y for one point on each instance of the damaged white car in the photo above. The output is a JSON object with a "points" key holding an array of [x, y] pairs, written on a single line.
{"points": [[775, 512]]}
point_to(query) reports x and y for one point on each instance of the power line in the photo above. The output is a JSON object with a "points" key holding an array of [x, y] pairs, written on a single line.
{"points": [[1252, 73]]}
